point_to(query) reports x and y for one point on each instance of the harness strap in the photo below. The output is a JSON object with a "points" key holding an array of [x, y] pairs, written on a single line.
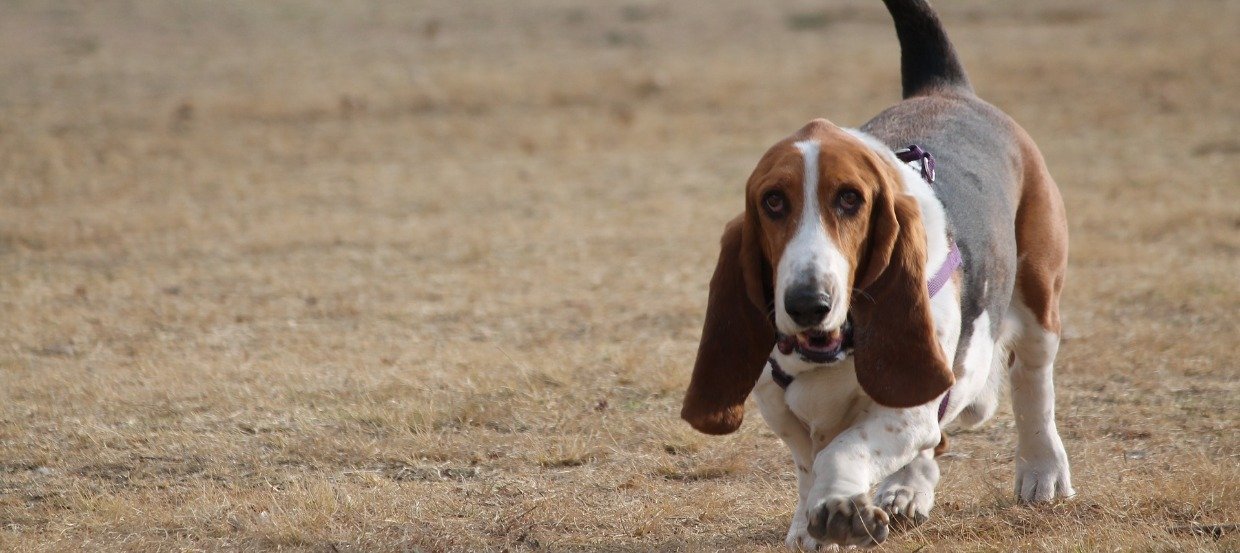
{"points": [[916, 153], [778, 375], [944, 274]]}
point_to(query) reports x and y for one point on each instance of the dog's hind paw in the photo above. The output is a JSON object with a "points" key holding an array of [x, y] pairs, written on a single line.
{"points": [[1043, 478]]}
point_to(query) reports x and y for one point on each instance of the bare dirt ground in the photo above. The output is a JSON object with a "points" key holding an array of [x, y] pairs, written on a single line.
{"points": [[339, 277]]}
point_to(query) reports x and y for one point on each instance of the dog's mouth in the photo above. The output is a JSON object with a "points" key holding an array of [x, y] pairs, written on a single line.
{"points": [[818, 346]]}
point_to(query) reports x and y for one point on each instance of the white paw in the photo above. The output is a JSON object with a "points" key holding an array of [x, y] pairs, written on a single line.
{"points": [[906, 506], [848, 521], [1043, 477]]}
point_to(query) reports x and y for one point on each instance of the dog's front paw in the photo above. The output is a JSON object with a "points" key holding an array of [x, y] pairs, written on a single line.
{"points": [[907, 507], [1043, 477], [848, 521]]}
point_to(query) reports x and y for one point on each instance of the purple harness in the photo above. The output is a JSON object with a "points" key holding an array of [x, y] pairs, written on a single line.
{"points": [[936, 282], [953, 261]]}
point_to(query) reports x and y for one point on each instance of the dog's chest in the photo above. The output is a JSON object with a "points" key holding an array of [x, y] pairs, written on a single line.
{"points": [[827, 400]]}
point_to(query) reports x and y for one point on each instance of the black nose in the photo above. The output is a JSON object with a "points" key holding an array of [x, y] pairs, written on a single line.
{"points": [[807, 305]]}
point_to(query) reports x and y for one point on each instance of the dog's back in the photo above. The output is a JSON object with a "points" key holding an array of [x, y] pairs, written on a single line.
{"points": [[990, 174]]}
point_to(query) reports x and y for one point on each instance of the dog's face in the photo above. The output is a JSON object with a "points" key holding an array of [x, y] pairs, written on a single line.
{"points": [[825, 216], [813, 194]]}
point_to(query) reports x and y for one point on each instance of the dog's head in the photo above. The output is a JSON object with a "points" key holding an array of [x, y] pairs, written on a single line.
{"points": [[827, 234]]}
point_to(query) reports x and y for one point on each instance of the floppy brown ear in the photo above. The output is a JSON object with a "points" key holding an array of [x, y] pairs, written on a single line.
{"points": [[897, 355], [737, 336]]}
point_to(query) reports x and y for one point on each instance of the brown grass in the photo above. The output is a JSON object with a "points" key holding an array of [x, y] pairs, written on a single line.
{"points": [[338, 277]]}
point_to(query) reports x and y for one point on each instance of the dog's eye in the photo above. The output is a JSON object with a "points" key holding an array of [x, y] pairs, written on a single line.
{"points": [[849, 201], [775, 204]]}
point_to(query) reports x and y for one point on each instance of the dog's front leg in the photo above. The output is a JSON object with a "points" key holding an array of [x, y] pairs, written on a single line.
{"points": [[879, 442], [795, 435]]}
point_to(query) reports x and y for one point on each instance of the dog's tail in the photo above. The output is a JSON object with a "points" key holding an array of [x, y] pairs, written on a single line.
{"points": [[928, 62]]}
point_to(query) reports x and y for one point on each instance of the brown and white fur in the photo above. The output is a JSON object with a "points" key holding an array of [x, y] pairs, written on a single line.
{"points": [[837, 229]]}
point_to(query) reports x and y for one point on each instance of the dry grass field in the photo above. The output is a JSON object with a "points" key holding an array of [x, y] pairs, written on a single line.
{"points": [[322, 276]]}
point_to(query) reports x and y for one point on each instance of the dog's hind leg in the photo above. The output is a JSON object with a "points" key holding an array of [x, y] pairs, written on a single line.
{"points": [[1042, 249], [1041, 462], [986, 401]]}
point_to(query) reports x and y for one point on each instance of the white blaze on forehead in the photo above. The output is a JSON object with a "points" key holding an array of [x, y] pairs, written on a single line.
{"points": [[811, 256], [809, 150]]}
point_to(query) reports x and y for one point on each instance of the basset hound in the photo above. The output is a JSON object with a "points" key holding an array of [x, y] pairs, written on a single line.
{"points": [[870, 296]]}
